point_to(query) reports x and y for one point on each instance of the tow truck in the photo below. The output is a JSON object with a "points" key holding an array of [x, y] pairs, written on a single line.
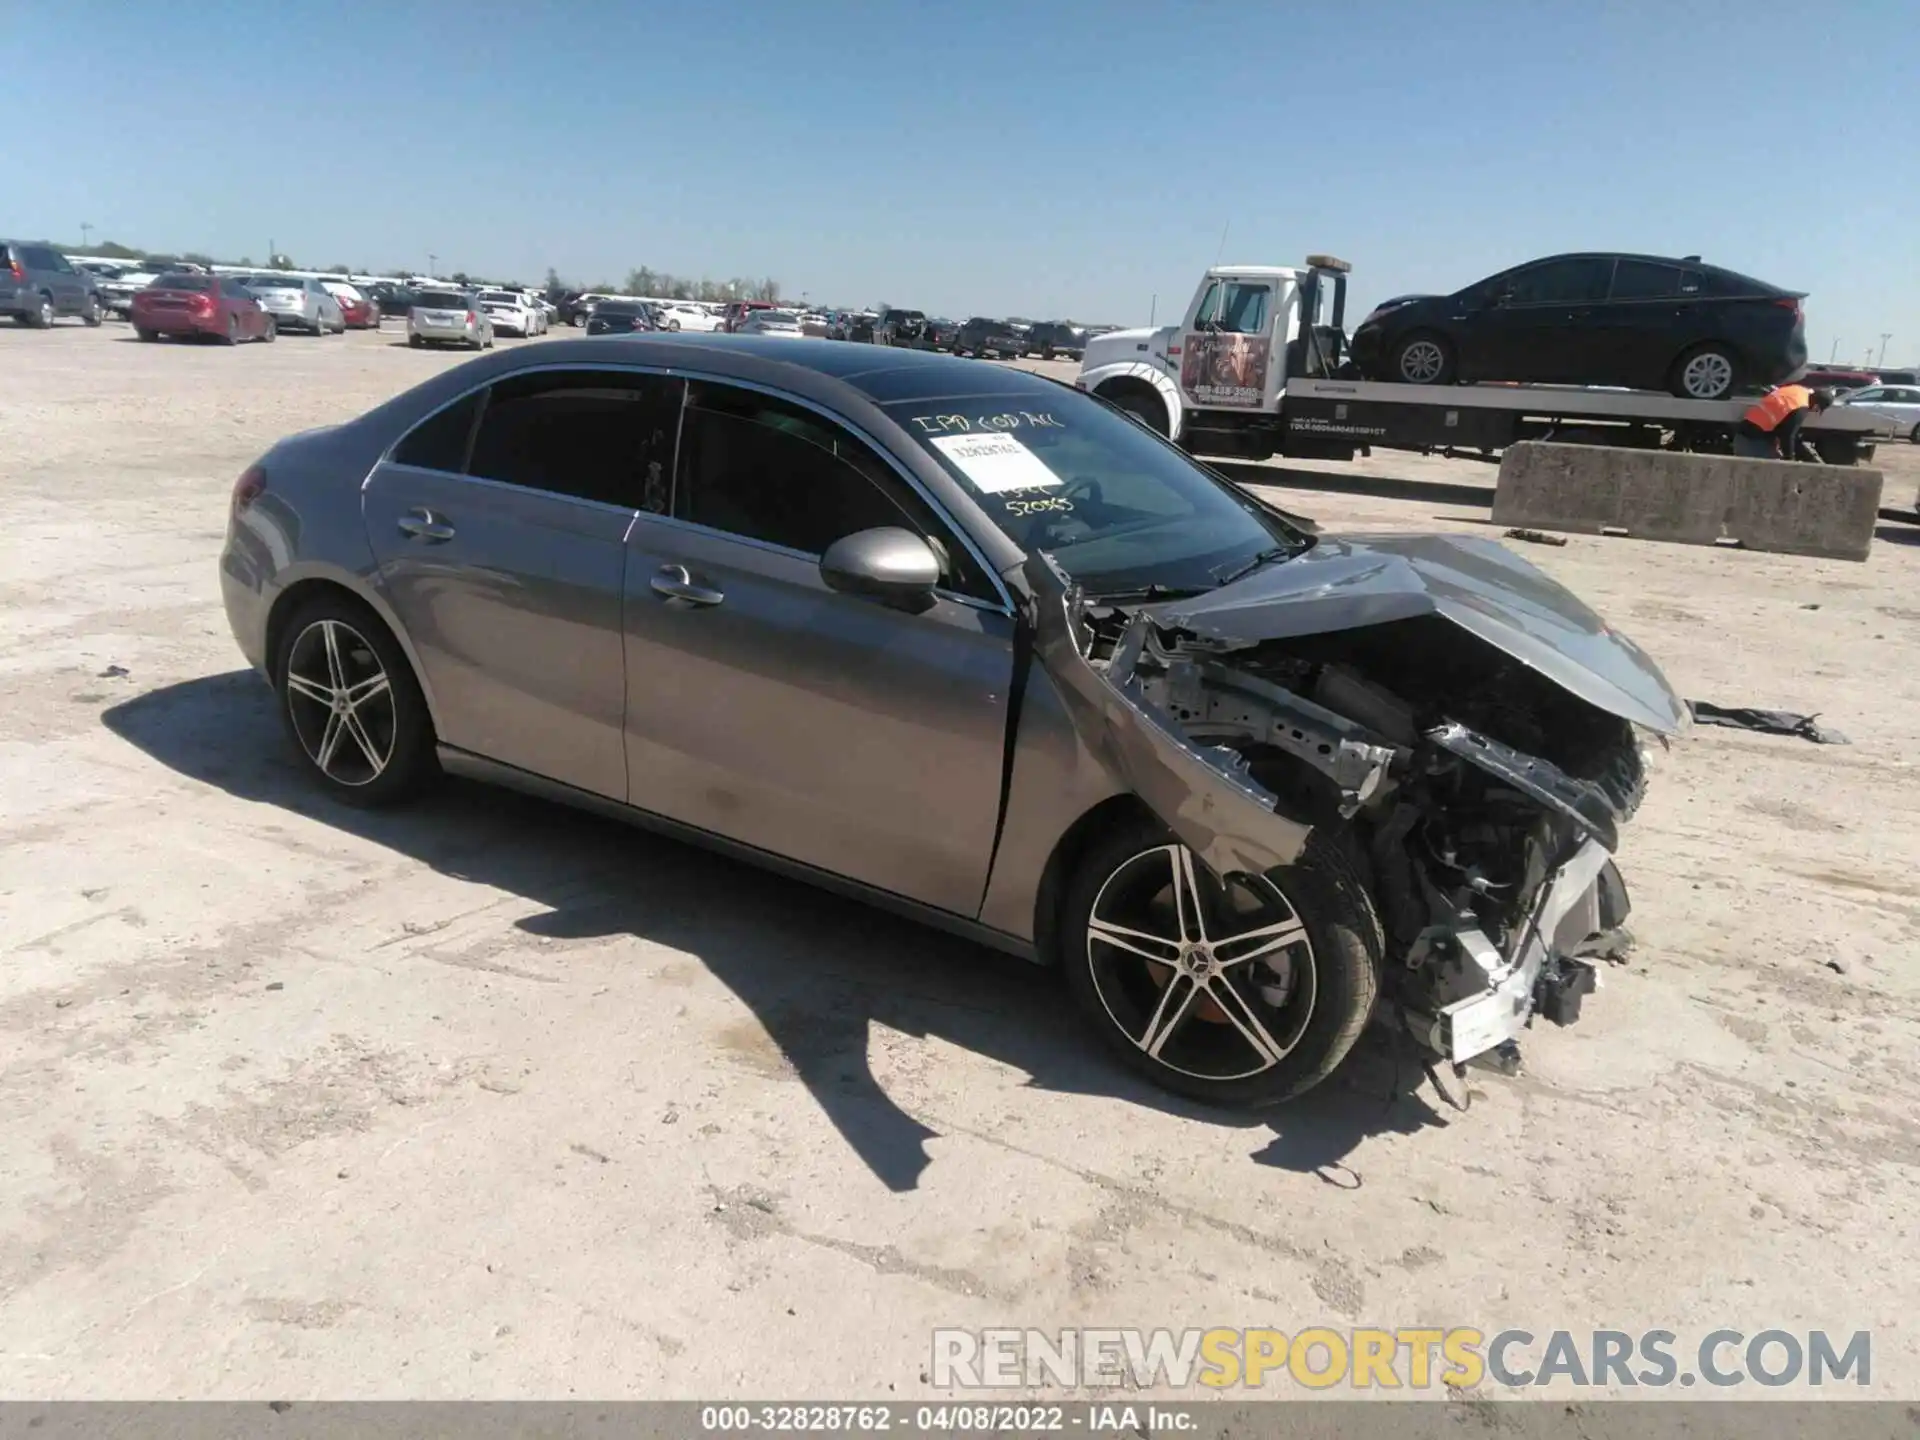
{"points": [[1258, 367]]}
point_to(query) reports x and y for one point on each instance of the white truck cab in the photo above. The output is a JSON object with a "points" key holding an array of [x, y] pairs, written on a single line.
{"points": [[1224, 368]]}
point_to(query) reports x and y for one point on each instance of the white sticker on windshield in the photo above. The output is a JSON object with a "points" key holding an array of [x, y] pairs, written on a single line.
{"points": [[995, 462]]}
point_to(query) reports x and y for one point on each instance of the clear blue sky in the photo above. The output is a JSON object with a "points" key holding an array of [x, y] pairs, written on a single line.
{"points": [[1048, 157]]}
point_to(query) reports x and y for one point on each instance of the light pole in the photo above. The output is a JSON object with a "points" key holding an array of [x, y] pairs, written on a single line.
{"points": [[1831, 354], [86, 236], [1888, 335], [433, 265]]}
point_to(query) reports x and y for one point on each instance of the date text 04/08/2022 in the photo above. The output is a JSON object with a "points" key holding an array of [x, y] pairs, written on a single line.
{"points": [[946, 1419]]}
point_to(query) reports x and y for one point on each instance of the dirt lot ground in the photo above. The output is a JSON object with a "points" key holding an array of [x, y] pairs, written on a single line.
{"points": [[488, 1098]]}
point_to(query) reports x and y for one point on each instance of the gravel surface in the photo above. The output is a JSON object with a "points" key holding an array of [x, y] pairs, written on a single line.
{"points": [[489, 1098]]}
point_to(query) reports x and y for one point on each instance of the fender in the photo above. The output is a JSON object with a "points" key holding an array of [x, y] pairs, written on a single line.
{"points": [[1098, 382]]}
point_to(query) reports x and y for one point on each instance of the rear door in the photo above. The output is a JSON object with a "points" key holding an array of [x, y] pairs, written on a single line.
{"points": [[1543, 328], [767, 708], [499, 525], [1645, 322]]}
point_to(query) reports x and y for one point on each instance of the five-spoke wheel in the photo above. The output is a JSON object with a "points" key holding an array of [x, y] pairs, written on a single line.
{"points": [[1242, 990], [351, 703]]}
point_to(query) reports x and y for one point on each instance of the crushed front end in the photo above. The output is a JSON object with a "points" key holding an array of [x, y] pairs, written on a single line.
{"points": [[1476, 774]]}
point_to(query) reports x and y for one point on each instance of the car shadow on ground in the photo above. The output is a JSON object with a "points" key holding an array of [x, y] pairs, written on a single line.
{"points": [[1384, 487], [1898, 533], [817, 971]]}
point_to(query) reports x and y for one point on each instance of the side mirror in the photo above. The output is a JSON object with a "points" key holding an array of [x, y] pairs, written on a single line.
{"points": [[888, 564]]}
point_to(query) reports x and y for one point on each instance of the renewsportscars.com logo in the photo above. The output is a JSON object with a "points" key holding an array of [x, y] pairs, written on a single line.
{"points": [[1320, 1358]]}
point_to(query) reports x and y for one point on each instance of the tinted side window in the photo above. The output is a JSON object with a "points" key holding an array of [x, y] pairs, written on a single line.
{"points": [[38, 257], [440, 441], [590, 434], [235, 289], [1563, 282], [761, 468], [1644, 280]]}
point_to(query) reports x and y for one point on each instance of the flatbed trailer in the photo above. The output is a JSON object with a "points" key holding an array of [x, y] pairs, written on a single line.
{"points": [[1479, 421], [1253, 372]]}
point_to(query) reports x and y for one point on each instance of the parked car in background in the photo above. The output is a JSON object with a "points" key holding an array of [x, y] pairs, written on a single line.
{"points": [[299, 301], [620, 317], [939, 333], [357, 310], [1641, 322], [814, 324], [684, 315], [1899, 405], [984, 337], [900, 327], [217, 307], [1055, 339], [1839, 381], [772, 322], [737, 311], [38, 285], [448, 317], [391, 299], [512, 313], [1897, 377]]}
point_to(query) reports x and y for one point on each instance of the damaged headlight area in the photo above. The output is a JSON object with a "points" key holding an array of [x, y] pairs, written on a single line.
{"points": [[1481, 800]]}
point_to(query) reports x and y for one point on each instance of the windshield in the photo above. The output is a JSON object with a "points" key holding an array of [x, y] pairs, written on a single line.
{"points": [[500, 297], [276, 282], [776, 317], [440, 300], [1119, 508], [182, 282]]}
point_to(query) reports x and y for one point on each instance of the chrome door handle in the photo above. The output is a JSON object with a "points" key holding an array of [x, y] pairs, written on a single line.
{"points": [[672, 582], [423, 524]]}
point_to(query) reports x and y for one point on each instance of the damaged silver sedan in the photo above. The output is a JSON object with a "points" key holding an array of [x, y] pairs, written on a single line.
{"points": [[979, 648]]}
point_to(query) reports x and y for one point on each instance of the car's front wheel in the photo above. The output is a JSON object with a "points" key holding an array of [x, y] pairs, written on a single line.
{"points": [[1706, 372], [349, 700], [1242, 992], [92, 315], [1423, 360]]}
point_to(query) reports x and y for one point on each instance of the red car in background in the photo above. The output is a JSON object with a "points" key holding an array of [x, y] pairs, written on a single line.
{"points": [[356, 310], [199, 305]]}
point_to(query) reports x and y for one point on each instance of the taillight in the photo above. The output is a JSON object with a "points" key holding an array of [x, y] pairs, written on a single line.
{"points": [[202, 303], [18, 271], [248, 488], [1789, 302], [472, 319]]}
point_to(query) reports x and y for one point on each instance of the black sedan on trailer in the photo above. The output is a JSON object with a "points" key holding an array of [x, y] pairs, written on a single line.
{"points": [[1638, 321]]}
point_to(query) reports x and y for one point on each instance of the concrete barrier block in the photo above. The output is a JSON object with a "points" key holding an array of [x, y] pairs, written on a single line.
{"points": [[1795, 508]]}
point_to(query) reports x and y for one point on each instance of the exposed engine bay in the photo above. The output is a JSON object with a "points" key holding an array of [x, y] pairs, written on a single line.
{"points": [[1458, 761], [1469, 784]]}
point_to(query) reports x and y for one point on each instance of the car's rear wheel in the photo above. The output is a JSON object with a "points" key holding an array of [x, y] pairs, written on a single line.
{"points": [[269, 332], [148, 335], [232, 337], [92, 314], [1423, 359], [1915, 435], [1706, 372], [43, 313], [349, 700], [1241, 993]]}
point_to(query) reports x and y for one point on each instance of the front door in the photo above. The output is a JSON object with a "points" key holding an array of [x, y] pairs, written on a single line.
{"points": [[767, 708], [499, 526], [1227, 359]]}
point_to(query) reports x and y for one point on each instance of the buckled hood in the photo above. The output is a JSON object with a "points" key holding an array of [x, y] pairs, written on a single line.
{"points": [[1477, 584]]}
